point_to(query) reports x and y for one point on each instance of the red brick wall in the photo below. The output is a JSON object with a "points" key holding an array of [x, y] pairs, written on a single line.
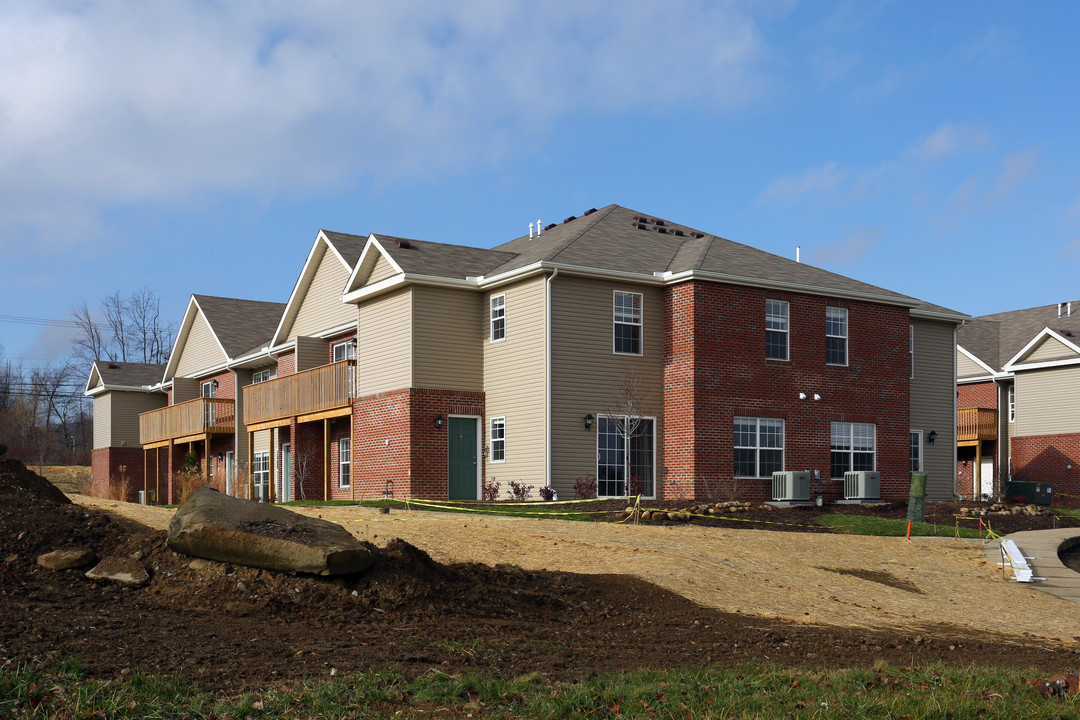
{"points": [[286, 364], [977, 395], [1045, 458], [226, 384], [330, 342], [111, 467], [715, 369], [415, 458], [965, 466]]}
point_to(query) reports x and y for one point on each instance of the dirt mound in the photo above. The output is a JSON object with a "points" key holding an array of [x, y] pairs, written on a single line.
{"points": [[17, 480], [229, 627]]}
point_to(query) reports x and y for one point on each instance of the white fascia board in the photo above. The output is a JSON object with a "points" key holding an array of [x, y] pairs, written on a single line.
{"points": [[94, 372], [368, 291], [274, 350], [208, 371], [789, 287], [1018, 367], [1044, 333], [977, 361], [982, 379], [181, 338], [251, 359], [307, 272], [123, 388], [330, 244], [373, 245]]}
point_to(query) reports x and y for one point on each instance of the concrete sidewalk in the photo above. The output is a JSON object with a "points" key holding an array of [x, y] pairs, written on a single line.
{"points": [[1041, 549]]}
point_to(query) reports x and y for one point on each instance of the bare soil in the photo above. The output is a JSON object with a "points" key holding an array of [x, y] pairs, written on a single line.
{"points": [[425, 605]]}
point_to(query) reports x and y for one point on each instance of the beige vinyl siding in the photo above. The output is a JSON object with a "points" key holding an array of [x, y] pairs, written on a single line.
{"points": [[1047, 401], [1050, 349], [384, 347], [966, 367], [515, 381], [382, 270], [103, 420], [261, 441], [311, 353], [242, 379], [933, 397], [320, 305], [185, 389], [586, 374], [447, 349], [201, 349]]}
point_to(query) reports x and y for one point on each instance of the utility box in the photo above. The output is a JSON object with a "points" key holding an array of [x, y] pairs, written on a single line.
{"points": [[1032, 492], [916, 508], [147, 497]]}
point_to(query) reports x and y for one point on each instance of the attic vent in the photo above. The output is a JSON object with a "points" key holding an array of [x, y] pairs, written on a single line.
{"points": [[698, 234], [402, 242], [680, 233], [590, 211], [569, 219], [548, 227], [659, 222], [114, 366], [661, 230], [641, 226]]}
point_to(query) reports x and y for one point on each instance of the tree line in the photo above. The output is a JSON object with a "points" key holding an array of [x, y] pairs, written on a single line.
{"points": [[44, 417]]}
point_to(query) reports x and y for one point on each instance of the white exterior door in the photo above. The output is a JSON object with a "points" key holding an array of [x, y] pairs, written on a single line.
{"points": [[286, 476], [986, 477]]}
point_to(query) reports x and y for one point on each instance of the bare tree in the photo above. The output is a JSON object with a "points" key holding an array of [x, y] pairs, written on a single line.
{"points": [[148, 335], [127, 329], [117, 313], [304, 456], [89, 344], [629, 405]]}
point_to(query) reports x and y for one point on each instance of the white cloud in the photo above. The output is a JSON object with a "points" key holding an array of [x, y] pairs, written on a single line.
{"points": [[103, 104], [1015, 169], [849, 249], [949, 139], [820, 180]]}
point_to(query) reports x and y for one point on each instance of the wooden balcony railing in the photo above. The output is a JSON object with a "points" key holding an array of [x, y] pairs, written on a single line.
{"points": [[317, 390], [974, 424], [200, 416]]}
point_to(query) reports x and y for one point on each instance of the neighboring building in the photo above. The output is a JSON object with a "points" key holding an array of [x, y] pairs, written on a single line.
{"points": [[425, 369], [1018, 393]]}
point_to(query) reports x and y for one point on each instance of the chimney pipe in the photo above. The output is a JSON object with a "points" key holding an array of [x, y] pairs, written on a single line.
{"points": [[1059, 309], [1070, 309], [530, 231], [538, 227], [798, 253]]}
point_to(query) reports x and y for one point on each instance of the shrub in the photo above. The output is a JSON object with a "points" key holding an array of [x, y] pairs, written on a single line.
{"points": [[520, 491], [547, 494], [636, 485], [489, 490], [187, 482], [585, 487]]}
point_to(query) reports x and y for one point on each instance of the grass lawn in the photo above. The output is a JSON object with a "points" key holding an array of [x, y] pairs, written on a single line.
{"points": [[890, 527], [752, 691]]}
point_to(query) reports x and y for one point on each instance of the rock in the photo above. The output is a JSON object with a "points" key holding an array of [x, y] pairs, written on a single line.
{"points": [[200, 564], [123, 570], [67, 558], [217, 527]]}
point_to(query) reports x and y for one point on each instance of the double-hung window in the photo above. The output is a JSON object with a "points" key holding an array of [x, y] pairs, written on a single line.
{"points": [[1012, 403], [498, 439], [260, 474], [627, 317], [853, 447], [916, 451], [759, 447], [345, 350], [344, 462], [263, 375], [836, 336], [498, 318], [776, 329]]}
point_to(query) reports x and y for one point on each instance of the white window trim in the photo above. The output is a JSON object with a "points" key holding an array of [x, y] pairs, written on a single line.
{"points": [[786, 330], [500, 419], [615, 322], [851, 443], [845, 336], [492, 318], [1012, 403], [922, 450], [209, 384], [757, 448], [263, 375], [350, 350], [260, 465], [344, 468], [626, 480]]}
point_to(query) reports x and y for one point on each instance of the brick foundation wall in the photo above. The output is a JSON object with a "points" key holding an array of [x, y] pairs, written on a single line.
{"points": [[977, 395], [111, 467], [1045, 458], [715, 369], [394, 439]]}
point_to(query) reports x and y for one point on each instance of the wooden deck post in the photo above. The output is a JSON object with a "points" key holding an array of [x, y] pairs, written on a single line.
{"points": [[145, 479]]}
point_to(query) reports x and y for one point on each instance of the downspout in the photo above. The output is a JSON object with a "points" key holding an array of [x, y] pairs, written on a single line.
{"points": [[547, 370], [955, 392]]}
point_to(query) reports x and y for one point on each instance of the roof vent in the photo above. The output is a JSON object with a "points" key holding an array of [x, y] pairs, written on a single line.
{"points": [[641, 226], [590, 211], [402, 242], [114, 366], [680, 233], [661, 230], [569, 219], [548, 227], [698, 235], [659, 222]]}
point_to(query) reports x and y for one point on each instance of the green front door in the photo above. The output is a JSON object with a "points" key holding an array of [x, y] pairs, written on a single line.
{"points": [[463, 460]]}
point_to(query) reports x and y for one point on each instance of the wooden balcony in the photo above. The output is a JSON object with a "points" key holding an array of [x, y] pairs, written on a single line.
{"points": [[191, 420], [973, 425], [309, 395]]}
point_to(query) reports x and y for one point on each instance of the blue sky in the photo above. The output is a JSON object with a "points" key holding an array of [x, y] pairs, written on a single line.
{"points": [[197, 147]]}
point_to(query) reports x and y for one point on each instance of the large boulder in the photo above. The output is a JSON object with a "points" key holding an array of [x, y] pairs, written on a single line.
{"points": [[217, 527]]}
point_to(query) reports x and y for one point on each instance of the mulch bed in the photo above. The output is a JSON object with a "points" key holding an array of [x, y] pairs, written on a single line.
{"points": [[229, 628]]}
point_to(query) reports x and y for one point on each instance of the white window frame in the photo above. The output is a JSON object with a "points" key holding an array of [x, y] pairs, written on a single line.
{"points": [[603, 419], [349, 350], [1012, 402], [260, 472], [917, 460], [850, 445], [498, 439], [208, 390], [757, 447], [911, 351], [621, 319], [263, 375], [778, 323], [830, 322], [498, 317], [345, 462]]}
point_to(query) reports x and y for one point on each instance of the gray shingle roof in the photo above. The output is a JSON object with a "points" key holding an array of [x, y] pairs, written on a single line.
{"points": [[421, 257], [241, 325], [129, 374], [349, 246], [995, 339]]}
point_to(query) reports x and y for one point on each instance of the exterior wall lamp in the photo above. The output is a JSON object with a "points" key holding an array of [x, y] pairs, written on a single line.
{"points": [[438, 422], [931, 437], [588, 421], [214, 384]]}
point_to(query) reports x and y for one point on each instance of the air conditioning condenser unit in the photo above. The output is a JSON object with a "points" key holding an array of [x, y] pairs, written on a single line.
{"points": [[862, 485], [791, 486]]}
